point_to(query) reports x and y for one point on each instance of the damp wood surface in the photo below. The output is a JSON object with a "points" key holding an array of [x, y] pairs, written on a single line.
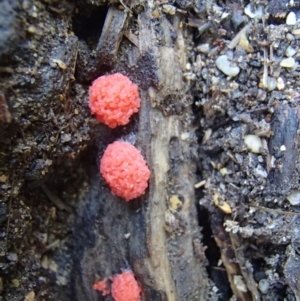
{"points": [[159, 244]]}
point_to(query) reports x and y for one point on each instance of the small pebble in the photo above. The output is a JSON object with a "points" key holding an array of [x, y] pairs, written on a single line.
{"points": [[31, 29], [3, 178], [226, 66], [42, 280], [169, 9], [185, 136], [294, 198], [288, 62], [283, 148], [260, 171], [189, 76], [254, 12], [290, 51], [15, 282], [261, 95], [237, 18], [255, 64], [290, 37], [271, 83], [296, 32], [291, 19], [203, 48], [215, 80], [30, 296], [53, 266], [12, 257], [45, 262], [280, 83], [224, 171], [65, 138], [263, 286], [253, 143]]}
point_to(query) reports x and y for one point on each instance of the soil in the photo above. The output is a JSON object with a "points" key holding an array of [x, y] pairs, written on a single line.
{"points": [[220, 220]]}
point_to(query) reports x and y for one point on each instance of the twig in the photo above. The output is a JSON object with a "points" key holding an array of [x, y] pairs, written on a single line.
{"points": [[127, 9], [275, 210], [55, 199], [265, 74], [237, 38]]}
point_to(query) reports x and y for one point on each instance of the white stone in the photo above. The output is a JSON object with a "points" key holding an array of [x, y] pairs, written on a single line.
{"points": [[290, 51], [296, 32], [294, 198], [280, 83], [283, 148], [254, 12], [185, 136], [204, 48], [215, 80], [253, 143], [169, 9], [288, 62], [224, 171], [291, 18], [226, 66], [263, 286]]}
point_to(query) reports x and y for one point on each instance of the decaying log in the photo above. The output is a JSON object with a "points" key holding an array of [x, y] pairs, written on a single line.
{"points": [[283, 149], [156, 233]]}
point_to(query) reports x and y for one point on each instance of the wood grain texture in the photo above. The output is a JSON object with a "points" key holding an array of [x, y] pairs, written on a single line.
{"points": [[159, 248]]}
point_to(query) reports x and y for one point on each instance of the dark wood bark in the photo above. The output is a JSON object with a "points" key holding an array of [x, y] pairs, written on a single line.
{"points": [[283, 150], [154, 237]]}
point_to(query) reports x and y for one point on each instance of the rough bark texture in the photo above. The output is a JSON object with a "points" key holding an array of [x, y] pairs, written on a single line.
{"points": [[160, 246], [285, 134]]}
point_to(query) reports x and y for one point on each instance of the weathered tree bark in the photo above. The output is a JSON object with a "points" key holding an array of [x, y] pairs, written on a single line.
{"points": [[158, 234], [283, 162]]}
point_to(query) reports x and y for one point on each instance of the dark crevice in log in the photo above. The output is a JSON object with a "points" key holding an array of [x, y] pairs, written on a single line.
{"points": [[88, 27], [213, 255]]}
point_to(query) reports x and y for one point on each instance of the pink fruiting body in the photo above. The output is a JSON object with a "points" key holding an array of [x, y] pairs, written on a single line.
{"points": [[113, 99], [102, 287], [125, 288], [125, 170]]}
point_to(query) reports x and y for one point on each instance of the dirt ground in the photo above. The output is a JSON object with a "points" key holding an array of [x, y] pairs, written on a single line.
{"points": [[238, 108]]}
